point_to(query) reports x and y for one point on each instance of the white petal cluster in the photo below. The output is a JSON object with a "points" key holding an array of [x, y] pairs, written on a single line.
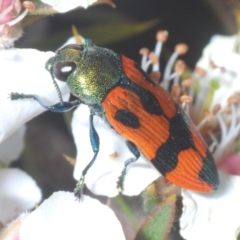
{"points": [[18, 193], [215, 215], [24, 72], [220, 60], [12, 147], [63, 217]]}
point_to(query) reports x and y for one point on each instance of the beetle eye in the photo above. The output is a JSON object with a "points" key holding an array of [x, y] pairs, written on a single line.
{"points": [[62, 70]]}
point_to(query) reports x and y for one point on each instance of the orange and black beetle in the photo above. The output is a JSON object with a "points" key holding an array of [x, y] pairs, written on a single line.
{"points": [[119, 91]]}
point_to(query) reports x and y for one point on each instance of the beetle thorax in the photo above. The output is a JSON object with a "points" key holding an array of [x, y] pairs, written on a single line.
{"points": [[97, 71]]}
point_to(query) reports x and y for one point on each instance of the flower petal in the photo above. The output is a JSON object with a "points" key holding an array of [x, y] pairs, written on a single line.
{"points": [[215, 215], [18, 193], [12, 147], [24, 72], [63, 217], [103, 175], [221, 51], [64, 6]]}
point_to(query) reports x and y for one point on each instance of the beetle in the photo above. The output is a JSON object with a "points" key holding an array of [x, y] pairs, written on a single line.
{"points": [[116, 89]]}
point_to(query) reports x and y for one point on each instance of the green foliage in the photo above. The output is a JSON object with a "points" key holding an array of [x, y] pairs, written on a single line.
{"points": [[104, 26], [124, 30], [101, 33], [150, 198], [159, 222]]}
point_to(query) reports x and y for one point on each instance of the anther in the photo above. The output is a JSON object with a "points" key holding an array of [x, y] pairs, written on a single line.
{"points": [[186, 99], [162, 36], [216, 109], [29, 6], [181, 48]]}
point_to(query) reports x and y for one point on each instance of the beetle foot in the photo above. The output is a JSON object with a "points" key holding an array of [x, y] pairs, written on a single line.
{"points": [[79, 188], [121, 180]]}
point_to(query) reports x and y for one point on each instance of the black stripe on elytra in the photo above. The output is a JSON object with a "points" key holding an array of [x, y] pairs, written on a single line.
{"points": [[209, 172], [180, 139], [127, 118], [147, 98]]}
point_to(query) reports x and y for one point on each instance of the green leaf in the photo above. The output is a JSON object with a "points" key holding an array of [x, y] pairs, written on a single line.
{"points": [[159, 222], [102, 33], [97, 23], [124, 30], [150, 198]]}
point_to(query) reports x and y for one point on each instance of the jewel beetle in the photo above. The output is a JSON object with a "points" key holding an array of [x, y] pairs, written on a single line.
{"points": [[116, 89]]}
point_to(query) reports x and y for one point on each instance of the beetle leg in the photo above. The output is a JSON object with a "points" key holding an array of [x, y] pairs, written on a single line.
{"points": [[132, 147], [58, 107], [94, 138]]}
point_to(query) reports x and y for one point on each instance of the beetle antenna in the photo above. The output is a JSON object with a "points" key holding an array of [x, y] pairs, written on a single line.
{"points": [[57, 88]]}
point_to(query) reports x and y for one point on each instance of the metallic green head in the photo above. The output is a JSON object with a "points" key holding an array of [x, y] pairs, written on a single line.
{"points": [[90, 71]]}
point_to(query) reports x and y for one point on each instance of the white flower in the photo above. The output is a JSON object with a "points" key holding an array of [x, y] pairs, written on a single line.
{"points": [[220, 64], [12, 147], [63, 217], [214, 215], [23, 72], [64, 6], [224, 51], [103, 175], [18, 193], [217, 89]]}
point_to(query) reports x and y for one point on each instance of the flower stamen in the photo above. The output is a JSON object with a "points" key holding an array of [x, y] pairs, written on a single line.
{"points": [[161, 37], [180, 49], [145, 63], [154, 61], [207, 118], [228, 134], [186, 101]]}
